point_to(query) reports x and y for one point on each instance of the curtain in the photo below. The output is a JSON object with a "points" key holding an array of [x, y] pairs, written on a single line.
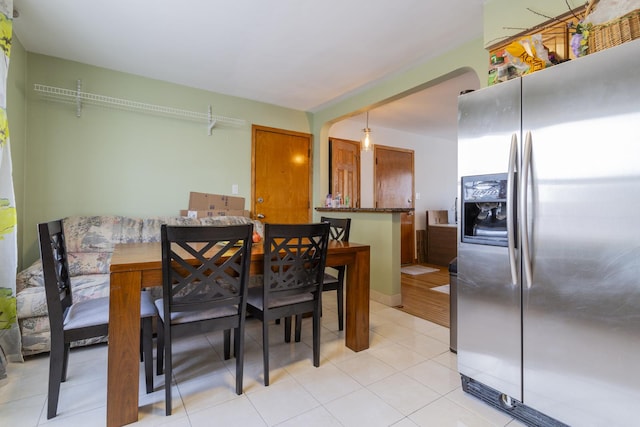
{"points": [[10, 346]]}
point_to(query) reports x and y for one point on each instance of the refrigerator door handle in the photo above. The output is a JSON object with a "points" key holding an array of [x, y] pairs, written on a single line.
{"points": [[511, 209], [524, 223]]}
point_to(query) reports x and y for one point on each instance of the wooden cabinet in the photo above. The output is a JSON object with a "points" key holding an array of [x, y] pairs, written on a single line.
{"points": [[442, 238], [442, 246]]}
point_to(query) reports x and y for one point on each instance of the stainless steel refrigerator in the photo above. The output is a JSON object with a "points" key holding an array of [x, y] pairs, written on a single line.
{"points": [[549, 242]]}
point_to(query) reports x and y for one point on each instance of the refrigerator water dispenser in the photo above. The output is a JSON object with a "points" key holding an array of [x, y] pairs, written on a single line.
{"points": [[484, 209]]}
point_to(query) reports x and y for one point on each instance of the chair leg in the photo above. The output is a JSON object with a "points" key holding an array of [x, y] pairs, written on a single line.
{"points": [[340, 292], [65, 361], [238, 349], [287, 329], [298, 327], [236, 340], [316, 336], [147, 349], [160, 349], [227, 344], [168, 371], [56, 361], [265, 350]]}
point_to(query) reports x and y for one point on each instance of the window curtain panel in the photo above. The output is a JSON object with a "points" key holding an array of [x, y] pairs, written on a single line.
{"points": [[10, 345]]}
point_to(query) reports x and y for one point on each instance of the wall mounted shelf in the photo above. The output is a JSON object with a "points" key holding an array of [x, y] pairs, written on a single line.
{"points": [[79, 98]]}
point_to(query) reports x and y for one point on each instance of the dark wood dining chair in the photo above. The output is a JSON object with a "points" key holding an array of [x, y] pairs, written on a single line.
{"points": [[73, 321], [205, 274], [333, 276], [338, 230], [294, 260]]}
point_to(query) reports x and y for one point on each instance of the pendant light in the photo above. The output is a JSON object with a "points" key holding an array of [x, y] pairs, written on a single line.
{"points": [[365, 143]]}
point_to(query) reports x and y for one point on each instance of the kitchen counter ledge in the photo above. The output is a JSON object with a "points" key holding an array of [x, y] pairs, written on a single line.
{"points": [[365, 210]]}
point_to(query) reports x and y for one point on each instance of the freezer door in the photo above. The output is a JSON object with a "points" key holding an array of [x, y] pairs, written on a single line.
{"points": [[489, 297], [581, 323]]}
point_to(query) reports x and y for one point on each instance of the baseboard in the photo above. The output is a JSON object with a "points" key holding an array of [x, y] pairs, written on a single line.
{"points": [[388, 300]]}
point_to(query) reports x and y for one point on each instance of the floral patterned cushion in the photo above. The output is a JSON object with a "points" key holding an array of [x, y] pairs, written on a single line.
{"points": [[151, 226], [33, 301], [81, 263], [232, 220], [36, 336], [31, 277], [90, 241], [100, 233]]}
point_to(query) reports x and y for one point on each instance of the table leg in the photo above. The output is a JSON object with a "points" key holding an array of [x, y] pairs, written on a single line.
{"points": [[357, 302], [124, 348]]}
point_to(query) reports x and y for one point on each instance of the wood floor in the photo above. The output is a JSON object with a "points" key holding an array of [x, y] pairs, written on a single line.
{"points": [[419, 300]]}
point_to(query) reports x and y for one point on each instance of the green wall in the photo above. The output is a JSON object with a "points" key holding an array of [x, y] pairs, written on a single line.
{"points": [[118, 162], [381, 231]]}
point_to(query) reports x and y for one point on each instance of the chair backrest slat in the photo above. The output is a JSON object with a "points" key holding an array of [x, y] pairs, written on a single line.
{"points": [[294, 258], [203, 266], [339, 228], [55, 270]]}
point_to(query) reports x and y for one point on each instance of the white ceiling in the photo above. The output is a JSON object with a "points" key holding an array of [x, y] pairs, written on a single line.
{"points": [[299, 54], [432, 111]]}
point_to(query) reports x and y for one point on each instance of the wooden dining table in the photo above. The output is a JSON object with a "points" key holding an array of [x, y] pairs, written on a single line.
{"points": [[139, 265]]}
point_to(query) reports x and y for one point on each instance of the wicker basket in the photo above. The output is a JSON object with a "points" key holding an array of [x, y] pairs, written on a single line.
{"points": [[615, 32]]}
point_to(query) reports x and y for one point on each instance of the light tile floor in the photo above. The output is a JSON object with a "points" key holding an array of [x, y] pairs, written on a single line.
{"points": [[406, 378]]}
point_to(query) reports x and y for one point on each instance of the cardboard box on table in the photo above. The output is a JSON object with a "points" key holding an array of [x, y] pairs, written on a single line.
{"points": [[214, 202], [206, 213]]}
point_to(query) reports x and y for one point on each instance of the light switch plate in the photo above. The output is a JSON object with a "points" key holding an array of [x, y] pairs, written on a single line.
{"points": [[234, 189]]}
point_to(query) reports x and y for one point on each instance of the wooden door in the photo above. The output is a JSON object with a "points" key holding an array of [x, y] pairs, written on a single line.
{"points": [[280, 176], [345, 170], [394, 188]]}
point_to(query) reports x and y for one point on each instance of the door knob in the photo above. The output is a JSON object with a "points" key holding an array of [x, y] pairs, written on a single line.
{"points": [[260, 200], [260, 216]]}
